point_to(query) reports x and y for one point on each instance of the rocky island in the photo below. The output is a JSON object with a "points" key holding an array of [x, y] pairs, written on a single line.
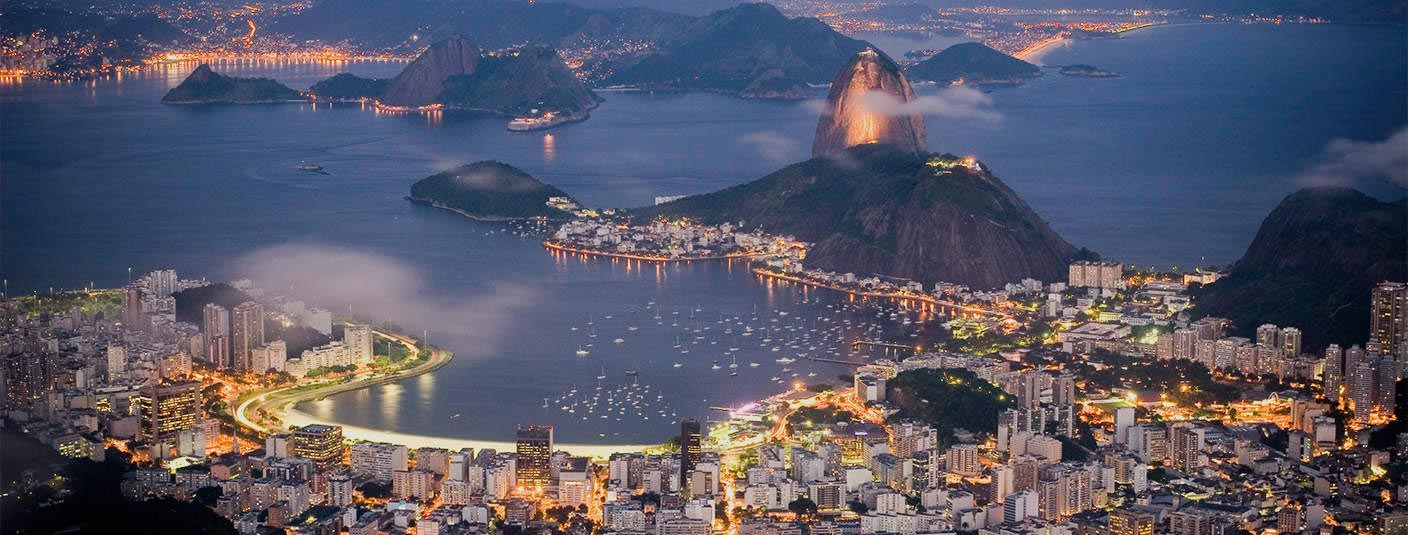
{"points": [[205, 86], [1088, 71], [973, 63], [847, 120], [490, 190], [530, 83], [751, 50], [873, 200]]}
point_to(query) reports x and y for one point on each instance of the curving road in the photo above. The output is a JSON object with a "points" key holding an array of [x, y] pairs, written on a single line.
{"points": [[273, 401]]}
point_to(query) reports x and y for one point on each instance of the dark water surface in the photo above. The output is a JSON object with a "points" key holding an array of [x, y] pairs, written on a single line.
{"points": [[1175, 162]]}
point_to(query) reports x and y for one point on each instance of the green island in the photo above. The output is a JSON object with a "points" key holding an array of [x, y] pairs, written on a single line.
{"points": [[973, 63], [489, 190], [205, 86]]}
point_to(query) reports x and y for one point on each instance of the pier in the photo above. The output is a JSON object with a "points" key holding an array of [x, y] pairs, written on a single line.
{"points": [[887, 345]]}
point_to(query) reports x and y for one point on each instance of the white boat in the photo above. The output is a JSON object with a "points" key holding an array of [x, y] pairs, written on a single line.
{"points": [[603, 374], [305, 166], [734, 364], [582, 352], [752, 365], [677, 365], [715, 366], [619, 341], [786, 360]]}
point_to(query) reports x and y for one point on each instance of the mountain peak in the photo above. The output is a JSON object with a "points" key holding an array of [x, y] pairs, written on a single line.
{"points": [[973, 62], [1312, 265], [851, 118], [203, 72], [423, 80]]}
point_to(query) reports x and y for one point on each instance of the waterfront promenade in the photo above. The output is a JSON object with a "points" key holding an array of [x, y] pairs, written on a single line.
{"points": [[949, 307], [644, 257], [273, 411], [272, 403]]}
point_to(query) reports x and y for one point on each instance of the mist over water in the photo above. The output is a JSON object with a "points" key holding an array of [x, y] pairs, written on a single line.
{"points": [[1175, 162]]}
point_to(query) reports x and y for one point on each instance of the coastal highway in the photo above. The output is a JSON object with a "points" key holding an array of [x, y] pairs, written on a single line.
{"points": [[277, 403], [274, 401]]}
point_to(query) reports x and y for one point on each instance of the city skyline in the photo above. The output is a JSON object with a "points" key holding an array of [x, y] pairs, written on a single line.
{"points": [[802, 267]]}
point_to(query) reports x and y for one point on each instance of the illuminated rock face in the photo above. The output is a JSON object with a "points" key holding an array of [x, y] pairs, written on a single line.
{"points": [[423, 80], [850, 118]]}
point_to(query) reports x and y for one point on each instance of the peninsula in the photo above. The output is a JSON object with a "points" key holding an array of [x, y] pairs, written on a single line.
{"points": [[873, 199]]}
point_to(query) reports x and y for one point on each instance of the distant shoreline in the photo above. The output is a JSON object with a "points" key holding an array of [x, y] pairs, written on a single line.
{"points": [[481, 218]]}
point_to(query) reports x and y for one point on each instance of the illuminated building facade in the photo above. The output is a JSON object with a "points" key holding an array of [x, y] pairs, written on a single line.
{"points": [[246, 334], [26, 379], [321, 443], [215, 327], [170, 408], [691, 448], [1125, 522], [534, 470], [1388, 320]]}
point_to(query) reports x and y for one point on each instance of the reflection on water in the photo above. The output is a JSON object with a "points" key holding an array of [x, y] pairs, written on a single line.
{"points": [[1187, 174]]}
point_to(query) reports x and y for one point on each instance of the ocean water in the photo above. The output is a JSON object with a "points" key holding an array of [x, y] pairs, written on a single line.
{"points": [[1174, 162]]}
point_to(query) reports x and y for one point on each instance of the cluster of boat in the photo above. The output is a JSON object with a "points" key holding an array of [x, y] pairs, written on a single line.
{"points": [[630, 402], [777, 335]]}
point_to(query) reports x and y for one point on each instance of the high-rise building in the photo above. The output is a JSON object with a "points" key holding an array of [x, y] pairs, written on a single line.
{"points": [[1363, 387], [1388, 320], [27, 378], [246, 334], [1126, 522], [170, 408], [1020, 506], [378, 460], [1290, 342], [691, 448], [321, 443], [340, 487], [161, 282], [357, 338], [1063, 390], [132, 307], [1186, 443], [1333, 375], [270, 356], [534, 470], [1268, 335], [1290, 519], [1124, 419], [116, 361], [962, 459], [215, 327], [1105, 275]]}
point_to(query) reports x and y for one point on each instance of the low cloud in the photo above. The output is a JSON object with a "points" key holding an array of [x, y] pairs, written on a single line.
{"points": [[954, 102], [386, 289], [1347, 162], [773, 146]]}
